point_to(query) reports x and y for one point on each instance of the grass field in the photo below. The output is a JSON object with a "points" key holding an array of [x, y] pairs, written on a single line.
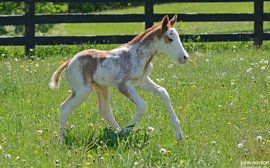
{"points": [[221, 97], [183, 27]]}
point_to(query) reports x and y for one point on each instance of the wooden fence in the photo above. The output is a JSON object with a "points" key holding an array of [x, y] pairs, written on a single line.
{"points": [[30, 19]]}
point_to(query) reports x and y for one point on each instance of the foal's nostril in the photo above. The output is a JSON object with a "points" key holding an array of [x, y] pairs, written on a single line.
{"points": [[185, 57]]}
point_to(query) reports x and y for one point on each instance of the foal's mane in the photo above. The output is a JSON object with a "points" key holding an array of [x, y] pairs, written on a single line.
{"points": [[141, 36]]}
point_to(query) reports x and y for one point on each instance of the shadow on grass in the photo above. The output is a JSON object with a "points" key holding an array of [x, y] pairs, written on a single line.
{"points": [[109, 139]]}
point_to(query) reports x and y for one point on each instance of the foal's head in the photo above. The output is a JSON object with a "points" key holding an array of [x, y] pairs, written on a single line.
{"points": [[170, 41]]}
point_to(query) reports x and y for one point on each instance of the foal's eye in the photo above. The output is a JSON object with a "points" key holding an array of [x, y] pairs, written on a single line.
{"points": [[169, 39]]}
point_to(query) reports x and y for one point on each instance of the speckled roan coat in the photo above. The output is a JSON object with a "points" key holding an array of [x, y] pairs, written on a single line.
{"points": [[124, 68]]}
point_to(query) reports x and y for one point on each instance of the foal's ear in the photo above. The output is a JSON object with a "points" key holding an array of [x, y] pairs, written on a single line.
{"points": [[164, 23], [173, 20]]}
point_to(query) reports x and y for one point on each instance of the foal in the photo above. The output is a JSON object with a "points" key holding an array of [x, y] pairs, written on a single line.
{"points": [[124, 68]]}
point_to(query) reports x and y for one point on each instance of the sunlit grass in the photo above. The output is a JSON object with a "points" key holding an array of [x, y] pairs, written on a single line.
{"points": [[67, 29], [221, 97], [185, 27], [238, 7]]}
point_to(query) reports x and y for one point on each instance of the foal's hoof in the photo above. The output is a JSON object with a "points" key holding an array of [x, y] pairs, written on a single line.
{"points": [[179, 136], [61, 140], [126, 131]]}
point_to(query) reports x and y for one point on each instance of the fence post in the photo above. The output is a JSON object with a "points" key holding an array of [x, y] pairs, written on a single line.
{"points": [[29, 33], [149, 11], [258, 22]]}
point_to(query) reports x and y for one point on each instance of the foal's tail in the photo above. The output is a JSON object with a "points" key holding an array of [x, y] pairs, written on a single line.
{"points": [[55, 80]]}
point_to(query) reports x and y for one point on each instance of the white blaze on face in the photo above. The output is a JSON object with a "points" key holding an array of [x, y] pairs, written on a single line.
{"points": [[173, 47]]}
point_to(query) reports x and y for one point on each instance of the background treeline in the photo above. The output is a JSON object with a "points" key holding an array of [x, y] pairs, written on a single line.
{"points": [[92, 7], [17, 8]]}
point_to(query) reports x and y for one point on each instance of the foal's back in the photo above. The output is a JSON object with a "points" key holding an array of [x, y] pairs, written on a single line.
{"points": [[107, 68]]}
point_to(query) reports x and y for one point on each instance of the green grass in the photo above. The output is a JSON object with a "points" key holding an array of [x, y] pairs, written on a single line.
{"points": [[221, 97], [183, 27], [219, 102]]}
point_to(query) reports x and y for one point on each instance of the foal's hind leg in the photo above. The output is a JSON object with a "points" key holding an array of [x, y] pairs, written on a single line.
{"points": [[77, 97], [103, 100]]}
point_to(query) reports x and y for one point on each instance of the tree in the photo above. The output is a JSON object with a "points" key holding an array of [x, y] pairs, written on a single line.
{"points": [[17, 8], [87, 7]]}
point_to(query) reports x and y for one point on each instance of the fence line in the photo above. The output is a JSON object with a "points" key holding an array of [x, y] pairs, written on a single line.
{"points": [[30, 19]]}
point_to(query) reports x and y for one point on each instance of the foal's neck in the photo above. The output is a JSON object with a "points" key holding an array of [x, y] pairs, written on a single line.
{"points": [[146, 48]]}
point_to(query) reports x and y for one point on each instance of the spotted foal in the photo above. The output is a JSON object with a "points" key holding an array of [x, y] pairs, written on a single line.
{"points": [[124, 68]]}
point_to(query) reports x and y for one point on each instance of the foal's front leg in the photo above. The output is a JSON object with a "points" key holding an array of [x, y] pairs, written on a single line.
{"points": [[151, 86], [129, 90]]}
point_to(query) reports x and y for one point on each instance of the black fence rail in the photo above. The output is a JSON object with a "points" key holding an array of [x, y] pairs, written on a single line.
{"points": [[30, 19]]}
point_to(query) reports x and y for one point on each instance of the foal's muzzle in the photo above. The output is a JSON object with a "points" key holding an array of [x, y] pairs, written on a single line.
{"points": [[184, 59]]}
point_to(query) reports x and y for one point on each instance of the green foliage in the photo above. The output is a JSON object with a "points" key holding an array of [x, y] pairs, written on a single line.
{"points": [[81, 7], [51, 8], [91, 7], [12, 8]]}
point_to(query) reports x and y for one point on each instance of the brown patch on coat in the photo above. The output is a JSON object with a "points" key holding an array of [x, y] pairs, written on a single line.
{"points": [[103, 97], [141, 36], [89, 60]]}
